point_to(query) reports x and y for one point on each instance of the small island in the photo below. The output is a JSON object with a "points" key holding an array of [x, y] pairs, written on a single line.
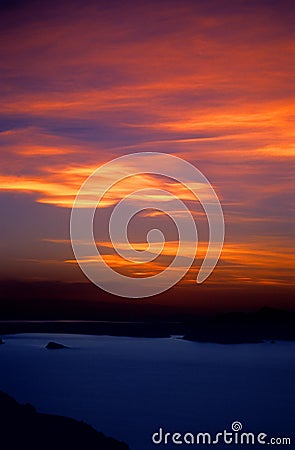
{"points": [[55, 346]]}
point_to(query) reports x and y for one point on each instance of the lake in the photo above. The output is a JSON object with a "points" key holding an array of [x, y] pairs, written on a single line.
{"points": [[130, 387]]}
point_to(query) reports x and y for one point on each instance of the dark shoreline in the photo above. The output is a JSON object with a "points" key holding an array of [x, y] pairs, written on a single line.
{"points": [[266, 324], [128, 329]]}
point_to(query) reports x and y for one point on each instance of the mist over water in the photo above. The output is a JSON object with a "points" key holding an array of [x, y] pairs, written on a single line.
{"points": [[130, 387]]}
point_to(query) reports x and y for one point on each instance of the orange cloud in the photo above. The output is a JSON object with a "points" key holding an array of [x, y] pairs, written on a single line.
{"points": [[240, 263], [82, 86]]}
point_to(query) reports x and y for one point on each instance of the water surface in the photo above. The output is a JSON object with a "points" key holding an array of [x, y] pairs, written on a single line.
{"points": [[130, 387]]}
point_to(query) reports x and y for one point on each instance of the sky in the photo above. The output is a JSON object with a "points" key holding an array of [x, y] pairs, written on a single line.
{"points": [[211, 82]]}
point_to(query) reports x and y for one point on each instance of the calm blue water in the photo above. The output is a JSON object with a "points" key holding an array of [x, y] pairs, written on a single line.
{"points": [[130, 387]]}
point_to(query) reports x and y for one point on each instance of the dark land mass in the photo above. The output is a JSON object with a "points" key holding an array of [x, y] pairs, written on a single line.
{"points": [[130, 329], [22, 428], [266, 324]]}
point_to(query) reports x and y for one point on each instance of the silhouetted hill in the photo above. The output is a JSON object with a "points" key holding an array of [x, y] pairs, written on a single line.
{"points": [[49, 300], [265, 324], [22, 428]]}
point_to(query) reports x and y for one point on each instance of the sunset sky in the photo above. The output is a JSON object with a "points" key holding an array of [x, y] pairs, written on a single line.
{"points": [[209, 81]]}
